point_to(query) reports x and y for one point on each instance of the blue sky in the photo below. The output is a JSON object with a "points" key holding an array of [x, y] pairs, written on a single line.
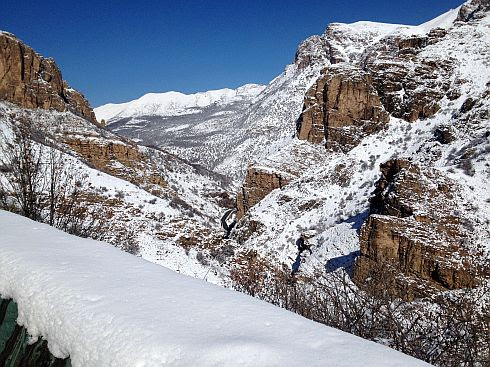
{"points": [[115, 51]]}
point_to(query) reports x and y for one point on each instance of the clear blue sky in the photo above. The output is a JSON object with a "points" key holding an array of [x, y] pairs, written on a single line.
{"points": [[115, 51]]}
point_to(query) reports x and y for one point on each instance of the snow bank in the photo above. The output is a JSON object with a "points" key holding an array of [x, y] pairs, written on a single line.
{"points": [[104, 307]]}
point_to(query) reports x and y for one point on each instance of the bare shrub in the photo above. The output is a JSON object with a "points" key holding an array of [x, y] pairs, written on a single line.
{"points": [[37, 183], [450, 329]]}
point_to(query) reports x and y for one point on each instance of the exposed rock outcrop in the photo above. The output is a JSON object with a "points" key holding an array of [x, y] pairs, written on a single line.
{"points": [[473, 10], [414, 228], [118, 158], [312, 50], [258, 183], [342, 107], [410, 85], [32, 81]]}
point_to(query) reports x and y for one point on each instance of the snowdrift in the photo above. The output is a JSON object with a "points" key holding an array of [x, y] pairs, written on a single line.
{"points": [[104, 307]]}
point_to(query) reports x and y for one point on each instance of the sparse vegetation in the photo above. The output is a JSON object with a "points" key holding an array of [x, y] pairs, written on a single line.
{"points": [[445, 330], [37, 183]]}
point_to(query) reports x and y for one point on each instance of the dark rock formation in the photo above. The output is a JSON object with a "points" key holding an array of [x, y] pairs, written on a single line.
{"points": [[473, 10], [342, 107], [445, 134], [32, 81]]}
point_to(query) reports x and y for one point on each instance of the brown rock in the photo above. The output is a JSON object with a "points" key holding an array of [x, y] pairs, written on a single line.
{"points": [[410, 86], [412, 229], [258, 183], [32, 81], [312, 50], [425, 261], [119, 159], [341, 107]]}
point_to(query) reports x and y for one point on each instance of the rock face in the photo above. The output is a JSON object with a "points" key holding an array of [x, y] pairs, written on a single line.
{"points": [[473, 10], [32, 81], [258, 183], [342, 107], [409, 84], [120, 159], [415, 230]]}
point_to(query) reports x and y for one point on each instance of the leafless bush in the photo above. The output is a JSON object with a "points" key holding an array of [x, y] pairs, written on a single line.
{"points": [[37, 184], [467, 166], [127, 242], [202, 259]]}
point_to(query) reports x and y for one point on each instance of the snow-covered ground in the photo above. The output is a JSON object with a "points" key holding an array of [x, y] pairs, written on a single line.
{"points": [[103, 307]]}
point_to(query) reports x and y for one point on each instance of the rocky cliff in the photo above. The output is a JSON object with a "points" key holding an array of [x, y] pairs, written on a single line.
{"points": [[409, 82], [32, 81], [416, 226], [402, 111], [258, 183], [341, 108]]}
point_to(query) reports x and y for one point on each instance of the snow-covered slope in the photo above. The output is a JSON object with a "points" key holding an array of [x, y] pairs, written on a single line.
{"points": [[154, 218], [330, 200], [175, 103], [103, 307]]}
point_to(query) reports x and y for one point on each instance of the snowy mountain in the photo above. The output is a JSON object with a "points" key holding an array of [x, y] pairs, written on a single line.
{"points": [[227, 137], [175, 103], [392, 155]]}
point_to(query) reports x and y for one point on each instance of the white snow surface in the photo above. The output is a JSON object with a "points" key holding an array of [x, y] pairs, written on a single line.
{"points": [[103, 307], [444, 20], [175, 103]]}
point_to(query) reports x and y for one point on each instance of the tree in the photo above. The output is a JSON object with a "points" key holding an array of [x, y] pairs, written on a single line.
{"points": [[37, 183]]}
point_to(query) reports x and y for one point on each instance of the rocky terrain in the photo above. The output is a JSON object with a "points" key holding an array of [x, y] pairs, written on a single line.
{"points": [[400, 103], [358, 96], [374, 145]]}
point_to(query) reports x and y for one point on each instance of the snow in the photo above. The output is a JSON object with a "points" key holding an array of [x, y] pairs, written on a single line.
{"points": [[175, 103], [103, 307], [444, 20]]}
